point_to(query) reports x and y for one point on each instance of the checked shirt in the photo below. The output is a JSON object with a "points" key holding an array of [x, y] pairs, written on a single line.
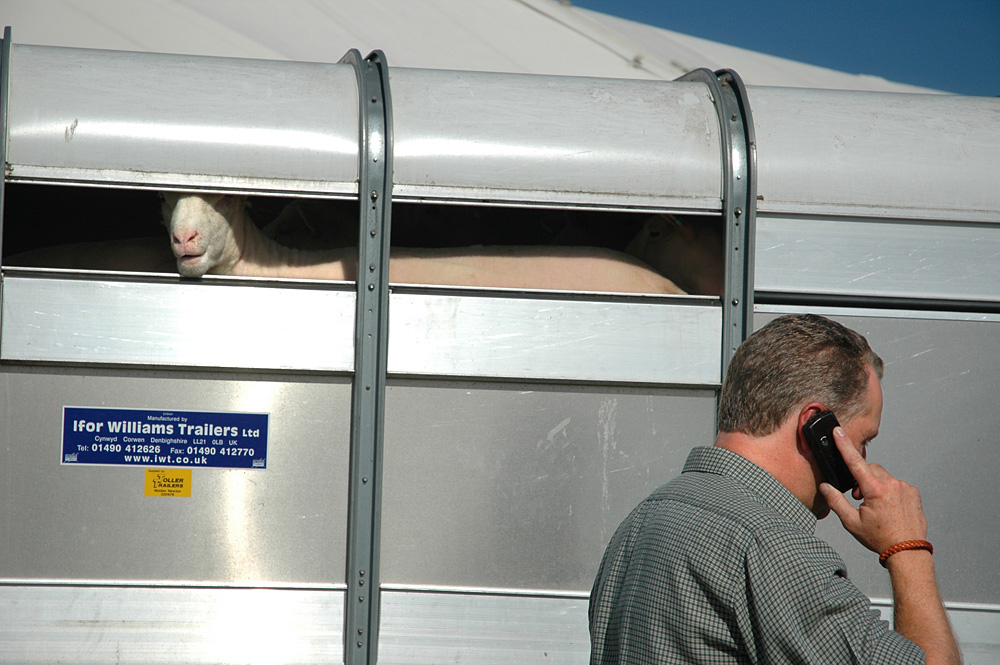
{"points": [[720, 565]]}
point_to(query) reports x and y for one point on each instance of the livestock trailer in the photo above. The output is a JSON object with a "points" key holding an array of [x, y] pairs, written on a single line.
{"points": [[257, 470]]}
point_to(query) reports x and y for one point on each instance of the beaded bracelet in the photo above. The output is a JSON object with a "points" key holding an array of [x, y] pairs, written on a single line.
{"points": [[902, 547]]}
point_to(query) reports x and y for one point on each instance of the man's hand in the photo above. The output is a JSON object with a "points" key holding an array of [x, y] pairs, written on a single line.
{"points": [[890, 511]]}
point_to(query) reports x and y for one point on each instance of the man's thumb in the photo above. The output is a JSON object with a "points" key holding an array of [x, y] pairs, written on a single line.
{"points": [[838, 504]]}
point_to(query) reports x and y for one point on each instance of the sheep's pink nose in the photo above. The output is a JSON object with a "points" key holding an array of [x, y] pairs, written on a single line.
{"points": [[184, 237]]}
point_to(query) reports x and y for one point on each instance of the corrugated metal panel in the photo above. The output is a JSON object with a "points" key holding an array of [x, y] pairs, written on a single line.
{"points": [[94, 625], [172, 323], [555, 140], [483, 628], [160, 120], [140, 119], [278, 526], [489, 627], [521, 485], [645, 340], [57, 318], [856, 154], [884, 258], [141, 625], [877, 195]]}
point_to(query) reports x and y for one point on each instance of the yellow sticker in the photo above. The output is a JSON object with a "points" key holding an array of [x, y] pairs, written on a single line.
{"points": [[168, 482]]}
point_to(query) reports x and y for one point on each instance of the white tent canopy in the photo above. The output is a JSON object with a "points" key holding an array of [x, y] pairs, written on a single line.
{"points": [[520, 36]]}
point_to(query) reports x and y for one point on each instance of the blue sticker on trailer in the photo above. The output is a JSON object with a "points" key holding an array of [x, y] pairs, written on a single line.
{"points": [[149, 437]]}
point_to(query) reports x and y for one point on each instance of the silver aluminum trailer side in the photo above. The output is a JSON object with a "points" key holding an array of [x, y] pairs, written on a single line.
{"points": [[439, 485]]}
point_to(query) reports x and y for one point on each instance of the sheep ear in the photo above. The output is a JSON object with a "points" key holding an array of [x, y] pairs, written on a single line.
{"points": [[674, 224], [168, 200], [657, 225], [229, 204]]}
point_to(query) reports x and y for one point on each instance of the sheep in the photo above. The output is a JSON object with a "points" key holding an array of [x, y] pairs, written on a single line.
{"points": [[211, 234], [688, 251]]}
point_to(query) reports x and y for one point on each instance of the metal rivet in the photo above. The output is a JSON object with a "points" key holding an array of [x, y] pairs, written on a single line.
{"points": [[371, 287], [361, 599], [372, 267], [734, 117], [372, 233], [374, 195], [736, 302], [738, 212]]}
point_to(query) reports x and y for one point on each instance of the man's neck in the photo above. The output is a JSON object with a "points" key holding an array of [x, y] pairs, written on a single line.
{"points": [[777, 453]]}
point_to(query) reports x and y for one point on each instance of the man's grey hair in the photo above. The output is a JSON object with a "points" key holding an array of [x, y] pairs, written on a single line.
{"points": [[795, 359]]}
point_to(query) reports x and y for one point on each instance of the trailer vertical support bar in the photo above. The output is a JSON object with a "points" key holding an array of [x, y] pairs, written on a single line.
{"points": [[739, 202], [5, 50], [740, 212], [361, 615]]}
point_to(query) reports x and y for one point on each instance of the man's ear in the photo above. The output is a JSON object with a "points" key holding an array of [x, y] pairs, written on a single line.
{"points": [[805, 413]]}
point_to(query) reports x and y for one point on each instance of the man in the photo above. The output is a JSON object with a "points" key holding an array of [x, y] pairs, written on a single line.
{"points": [[720, 565]]}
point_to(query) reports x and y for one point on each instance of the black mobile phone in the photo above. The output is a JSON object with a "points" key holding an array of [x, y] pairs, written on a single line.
{"points": [[818, 431]]}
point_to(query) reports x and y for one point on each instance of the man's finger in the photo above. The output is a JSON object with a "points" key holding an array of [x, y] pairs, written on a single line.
{"points": [[879, 472], [852, 458]]}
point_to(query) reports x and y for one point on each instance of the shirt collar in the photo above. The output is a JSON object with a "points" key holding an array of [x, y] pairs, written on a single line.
{"points": [[710, 459]]}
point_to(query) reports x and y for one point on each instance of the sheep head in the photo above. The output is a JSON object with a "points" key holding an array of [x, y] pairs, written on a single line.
{"points": [[689, 251], [206, 231]]}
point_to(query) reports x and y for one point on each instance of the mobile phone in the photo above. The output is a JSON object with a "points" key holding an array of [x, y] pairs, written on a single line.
{"points": [[818, 432]]}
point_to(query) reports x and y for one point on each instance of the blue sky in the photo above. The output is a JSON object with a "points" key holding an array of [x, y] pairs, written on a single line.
{"points": [[950, 45]]}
